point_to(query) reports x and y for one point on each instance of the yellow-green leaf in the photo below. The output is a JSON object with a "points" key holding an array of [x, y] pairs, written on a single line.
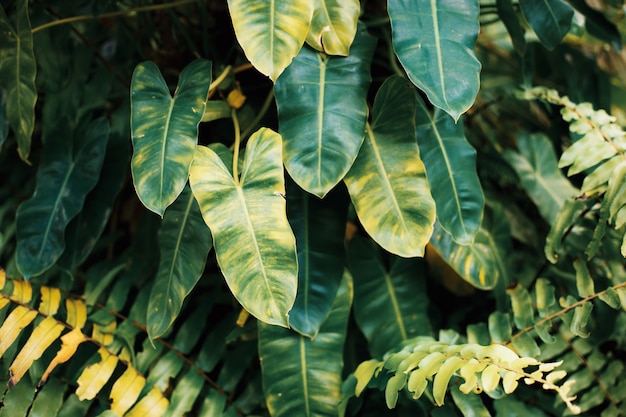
{"points": [[76, 313], [126, 390], [95, 376], [153, 404], [445, 372], [254, 244], [40, 339], [271, 32], [50, 300], [333, 25], [70, 342], [19, 318]]}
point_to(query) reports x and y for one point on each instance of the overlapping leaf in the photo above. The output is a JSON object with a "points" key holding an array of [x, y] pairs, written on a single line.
{"points": [[550, 19], [389, 301], [17, 75], [303, 376], [507, 14], [536, 165], [322, 108], [387, 182], [333, 26], [64, 178], [271, 32], [165, 130], [434, 41], [450, 162], [319, 226], [184, 242], [254, 244]]}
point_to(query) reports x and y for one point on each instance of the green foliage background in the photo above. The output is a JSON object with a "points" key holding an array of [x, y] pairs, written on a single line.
{"points": [[312, 207]]}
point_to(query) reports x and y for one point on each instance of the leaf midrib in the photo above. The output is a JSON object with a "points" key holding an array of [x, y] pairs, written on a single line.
{"points": [[395, 305], [164, 145]]}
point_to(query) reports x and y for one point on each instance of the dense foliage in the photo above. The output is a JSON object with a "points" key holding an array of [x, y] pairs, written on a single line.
{"points": [[312, 207]]}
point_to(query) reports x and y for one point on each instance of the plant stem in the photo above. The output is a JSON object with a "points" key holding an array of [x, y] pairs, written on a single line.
{"points": [[112, 14], [236, 145], [264, 108]]}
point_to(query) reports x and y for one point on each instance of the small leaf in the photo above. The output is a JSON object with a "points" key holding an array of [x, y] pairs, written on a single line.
{"points": [[333, 26], [566, 217], [254, 244], [364, 373], [19, 318], [17, 75], [490, 378], [387, 182], [507, 14], [50, 300], [126, 390], [550, 19], [434, 41], [522, 306], [470, 404], [165, 130], [579, 325], [445, 372], [216, 109], [584, 281], [271, 32], [76, 313], [153, 404], [95, 376], [70, 342]]}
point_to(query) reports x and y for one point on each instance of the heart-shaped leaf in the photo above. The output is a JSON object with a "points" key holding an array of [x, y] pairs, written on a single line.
{"points": [[322, 108], [387, 182], [334, 25], [165, 130], [254, 244]]}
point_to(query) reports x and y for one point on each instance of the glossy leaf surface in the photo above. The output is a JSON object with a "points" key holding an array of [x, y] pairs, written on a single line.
{"points": [[64, 178], [254, 244], [333, 26], [165, 130], [271, 32], [319, 226], [387, 182], [322, 108], [126, 390], [94, 377], [550, 19], [389, 296], [450, 163], [17, 75], [184, 242], [303, 376], [434, 41]]}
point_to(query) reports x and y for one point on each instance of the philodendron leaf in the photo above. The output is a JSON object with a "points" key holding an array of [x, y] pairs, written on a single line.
{"points": [[536, 166], [271, 32], [550, 19], [254, 244], [17, 75], [387, 182], [184, 242], [508, 15], [322, 109], [303, 376], [450, 162], [334, 25], [319, 226], [390, 303], [165, 130], [434, 41], [64, 178]]}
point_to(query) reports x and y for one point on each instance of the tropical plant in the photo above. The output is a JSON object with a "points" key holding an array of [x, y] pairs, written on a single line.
{"points": [[312, 207]]}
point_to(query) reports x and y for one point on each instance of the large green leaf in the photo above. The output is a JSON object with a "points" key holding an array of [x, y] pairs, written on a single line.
{"points": [[184, 242], [387, 182], [254, 244], [508, 15], [390, 299], [64, 178], [17, 75], [536, 165], [271, 32], [165, 130], [450, 162], [319, 226], [550, 19], [334, 25], [322, 108], [434, 41], [302, 377]]}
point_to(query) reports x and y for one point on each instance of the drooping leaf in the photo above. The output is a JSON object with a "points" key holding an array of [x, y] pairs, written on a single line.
{"points": [[536, 165], [64, 178], [507, 14], [387, 182], [434, 41], [94, 377], [333, 26], [271, 32], [165, 130], [303, 376], [185, 394], [152, 405], [550, 19], [450, 163], [319, 227], [390, 303], [322, 108], [254, 244], [70, 342], [17, 75], [185, 242], [126, 390], [13, 324]]}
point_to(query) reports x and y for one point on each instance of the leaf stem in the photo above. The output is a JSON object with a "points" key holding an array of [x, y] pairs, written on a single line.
{"points": [[111, 14], [233, 113]]}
